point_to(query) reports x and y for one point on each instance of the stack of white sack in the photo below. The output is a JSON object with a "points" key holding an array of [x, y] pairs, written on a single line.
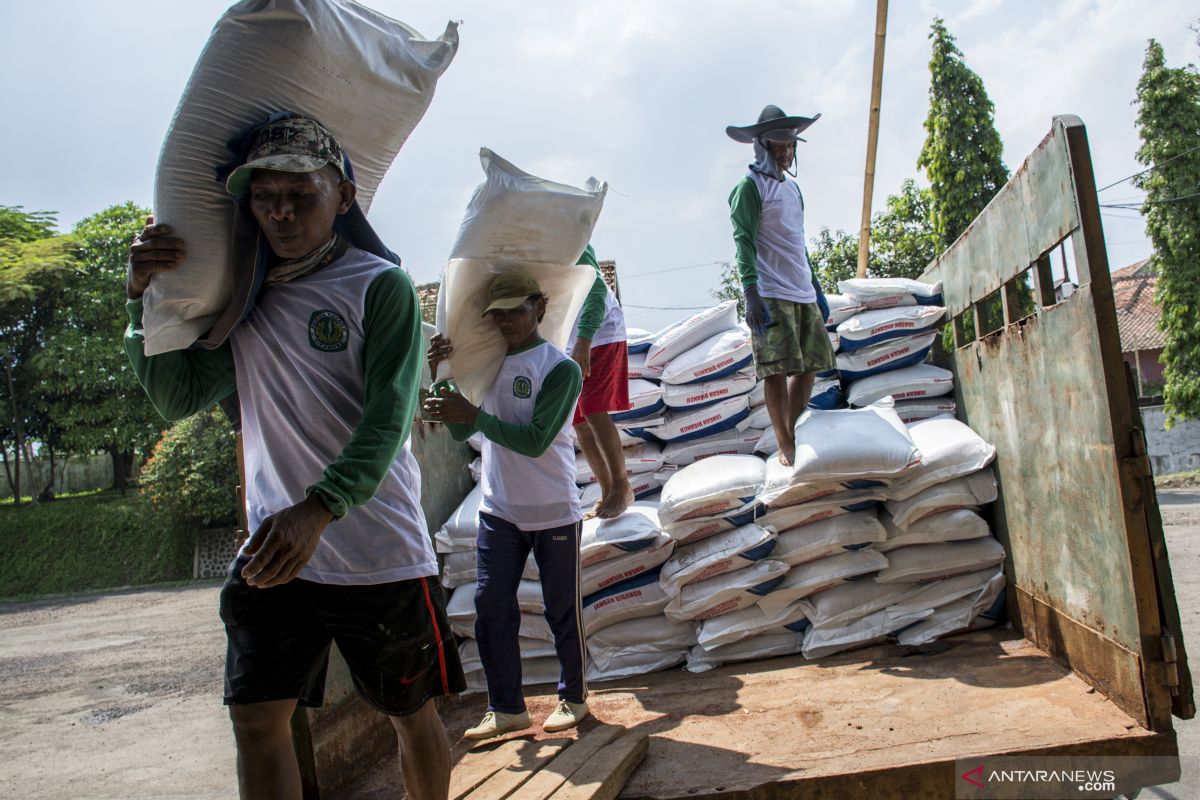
{"points": [[620, 561], [944, 570], [887, 325]]}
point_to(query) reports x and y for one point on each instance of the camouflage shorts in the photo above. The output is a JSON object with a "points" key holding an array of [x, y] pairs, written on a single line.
{"points": [[794, 342]]}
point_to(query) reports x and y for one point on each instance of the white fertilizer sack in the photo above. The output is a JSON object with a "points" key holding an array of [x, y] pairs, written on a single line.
{"points": [[461, 531], [815, 576], [694, 530], [764, 645], [638, 341], [514, 220], [645, 399], [729, 443], [677, 339], [603, 574], [640, 596], [697, 423], [949, 449], [698, 394], [946, 590], [872, 628], [780, 489], [880, 325], [927, 562], [368, 78], [638, 646], [719, 355], [602, 539], [710, 487], [841, 605], [828, 538], [970, 491], [727, 592], [956, 616], [842, 308], [861, 443], [718, 554], [910, 411], [946, 526], [892, 354], [458, 569], [729, 628], [460, 610], [785, 518], [919, 381], [881, 292], [637, 367], [641, 457]]}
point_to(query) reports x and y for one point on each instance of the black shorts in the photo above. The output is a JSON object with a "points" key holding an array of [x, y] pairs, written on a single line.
{"points": [[394, 636]]}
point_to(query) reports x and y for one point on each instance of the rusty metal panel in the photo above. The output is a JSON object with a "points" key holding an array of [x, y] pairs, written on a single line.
{"points": [[1034, 211], [1049, 392]]}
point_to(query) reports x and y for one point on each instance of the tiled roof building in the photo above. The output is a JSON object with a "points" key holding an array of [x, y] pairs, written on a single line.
{"points": [[1137, 318]]}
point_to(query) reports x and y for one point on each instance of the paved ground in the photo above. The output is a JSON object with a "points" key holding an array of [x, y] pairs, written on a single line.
{"points": [[117, 696]]}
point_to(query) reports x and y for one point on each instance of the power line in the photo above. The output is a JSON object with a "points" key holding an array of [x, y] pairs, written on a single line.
{"points": [[1151, 168], [671, 269]]}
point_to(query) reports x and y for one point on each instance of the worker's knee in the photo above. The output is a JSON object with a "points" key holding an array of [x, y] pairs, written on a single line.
{"points": [[417, 725], [261, 722]]}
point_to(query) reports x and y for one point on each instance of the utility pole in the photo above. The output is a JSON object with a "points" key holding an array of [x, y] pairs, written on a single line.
{"points": [[864, 232]]}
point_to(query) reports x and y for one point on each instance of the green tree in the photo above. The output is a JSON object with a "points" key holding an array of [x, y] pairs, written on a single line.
{"points": [[730, 288], [833, 257], [90, 391], [962, 151], [902, 238], [191, 477], [34, 263], [1168, 120]]}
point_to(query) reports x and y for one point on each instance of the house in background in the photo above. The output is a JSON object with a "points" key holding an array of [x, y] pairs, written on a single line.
{"points": [[1137, 318]]}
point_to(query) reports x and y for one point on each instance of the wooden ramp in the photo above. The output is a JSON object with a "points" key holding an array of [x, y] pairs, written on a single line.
{"points": [[593, 767]]}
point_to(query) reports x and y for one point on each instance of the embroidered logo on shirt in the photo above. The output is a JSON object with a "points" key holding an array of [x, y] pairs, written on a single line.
{"points": [[327, 331], [522, 387]]}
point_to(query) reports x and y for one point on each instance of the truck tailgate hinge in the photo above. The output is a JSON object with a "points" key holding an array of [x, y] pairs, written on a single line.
{"points": [[1170, 662]]}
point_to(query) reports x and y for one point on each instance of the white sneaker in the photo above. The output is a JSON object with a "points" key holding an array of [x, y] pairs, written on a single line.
{"points": [[567, 715], [496, 723]]}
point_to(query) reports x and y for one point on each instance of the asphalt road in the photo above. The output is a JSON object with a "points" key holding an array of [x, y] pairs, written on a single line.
{"points": [[117, 695]]}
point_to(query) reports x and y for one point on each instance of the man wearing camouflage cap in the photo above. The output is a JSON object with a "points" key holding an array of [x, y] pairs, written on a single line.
{"points": [[325, 363]]}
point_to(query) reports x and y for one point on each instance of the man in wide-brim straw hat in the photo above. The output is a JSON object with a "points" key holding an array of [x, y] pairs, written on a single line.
{"points": [[783, 298]]}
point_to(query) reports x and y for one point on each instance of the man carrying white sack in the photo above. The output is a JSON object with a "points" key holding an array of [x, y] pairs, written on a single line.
{"points": [[326, 369], [601, 354], [530, 502], [783, 297]]}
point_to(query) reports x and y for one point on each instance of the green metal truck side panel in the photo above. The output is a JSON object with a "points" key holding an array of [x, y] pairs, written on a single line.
{"points": [[1049, 391]]}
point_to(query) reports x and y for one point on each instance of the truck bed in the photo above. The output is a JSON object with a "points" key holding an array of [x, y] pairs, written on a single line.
{"points": [[887, 720]]}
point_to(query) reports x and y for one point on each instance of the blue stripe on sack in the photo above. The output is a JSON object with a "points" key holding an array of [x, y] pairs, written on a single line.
{"points": [[828, 400], [722, 426], [934, 300], [766, 587], [849, 345], [642, 434], [799, 626], [732, 368], [646, 493], [829, 373], [862, 577], [997, 612], [865, 505], [636, 582], [640, 544], [759, 551], [746, 517], [638, 348], [907, 361], [639, 413]]}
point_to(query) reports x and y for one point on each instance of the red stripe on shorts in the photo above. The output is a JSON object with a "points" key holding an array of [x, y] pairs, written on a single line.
{"points": [[437, 635]]}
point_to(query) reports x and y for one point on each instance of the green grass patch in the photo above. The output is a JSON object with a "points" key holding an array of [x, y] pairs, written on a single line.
{"points": [[1178, 480], [94, 541]]}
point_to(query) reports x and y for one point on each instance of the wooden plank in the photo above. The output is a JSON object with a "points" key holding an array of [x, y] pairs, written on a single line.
{"points": [[604, 776], [547, 781], [510, 778], [479, 765]]}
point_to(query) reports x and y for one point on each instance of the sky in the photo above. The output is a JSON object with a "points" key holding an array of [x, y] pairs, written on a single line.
{"points": [[633, 92]]}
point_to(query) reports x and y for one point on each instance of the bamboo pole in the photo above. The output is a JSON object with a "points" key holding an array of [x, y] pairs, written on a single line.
{"points": [[864, 232]]}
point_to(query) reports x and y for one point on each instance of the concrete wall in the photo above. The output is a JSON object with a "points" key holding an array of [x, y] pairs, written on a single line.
{"points": [[1172, 450], [78, 474]]}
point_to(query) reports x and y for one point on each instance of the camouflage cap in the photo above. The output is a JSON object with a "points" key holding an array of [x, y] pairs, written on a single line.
{"points": [[289, 145], [511, 289]]}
